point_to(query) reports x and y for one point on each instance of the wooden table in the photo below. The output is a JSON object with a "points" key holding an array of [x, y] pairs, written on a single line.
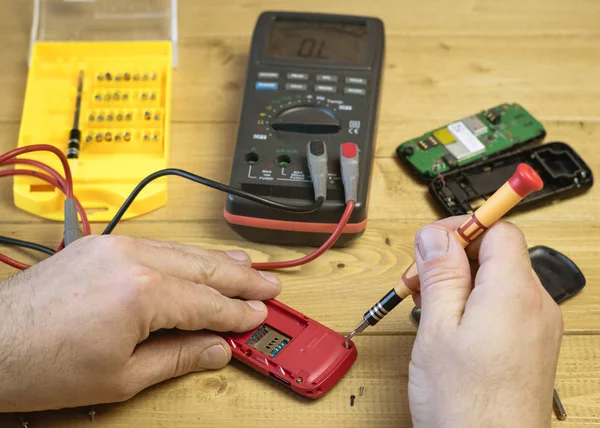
{"points": [[445, 59]]}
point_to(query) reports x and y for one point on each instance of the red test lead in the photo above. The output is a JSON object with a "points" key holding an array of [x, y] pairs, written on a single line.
{"points": [[523, 182]]}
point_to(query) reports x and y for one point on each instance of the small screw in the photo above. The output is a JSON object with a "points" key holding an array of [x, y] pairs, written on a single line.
{"points": [[92, 413], [147, 115], [116, 96], [118, 137], [558, 407], [108, 136], [352, 397], [136, 77], [153, 76], [107, 97], [361, 390], [126, 76], [91, 118], [109, 117], [299, 380], [128, 116], [98, 138], [153, 97], [125, 97], [144, 96], [119, 117], [108, 76], [100, 78], [88, 138], [97, 97], [24, 423], [127, 136], [155, 137], [156, 117], [100, 118], [146, 137], [145, 77], [117, 78]]}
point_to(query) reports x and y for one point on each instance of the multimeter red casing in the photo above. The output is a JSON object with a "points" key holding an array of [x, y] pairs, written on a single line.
{"points": [[313, 361], [290, 102]]}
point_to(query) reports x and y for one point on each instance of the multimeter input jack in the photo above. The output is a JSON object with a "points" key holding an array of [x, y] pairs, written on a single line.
{"points": [[283, 161], [252, 158]]}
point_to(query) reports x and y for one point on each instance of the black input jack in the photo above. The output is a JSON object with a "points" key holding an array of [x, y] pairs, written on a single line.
{"points": [[283, 161], [251, 158]]}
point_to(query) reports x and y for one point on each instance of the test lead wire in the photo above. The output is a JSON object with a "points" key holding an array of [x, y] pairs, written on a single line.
{"points": [[75, 134]]}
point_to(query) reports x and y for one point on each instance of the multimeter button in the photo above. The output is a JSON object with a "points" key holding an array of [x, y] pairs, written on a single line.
{"points": [[325, 88], [297, 76], [266, 86], [356, 80], [268, 75], [354, 91], [326, 78], [295, 86]]}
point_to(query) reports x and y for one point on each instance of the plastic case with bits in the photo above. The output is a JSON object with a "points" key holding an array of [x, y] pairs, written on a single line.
{"points": [[126, 51]]}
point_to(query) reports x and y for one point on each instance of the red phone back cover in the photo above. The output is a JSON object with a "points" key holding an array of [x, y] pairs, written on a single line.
{"points": [[312, 362]]}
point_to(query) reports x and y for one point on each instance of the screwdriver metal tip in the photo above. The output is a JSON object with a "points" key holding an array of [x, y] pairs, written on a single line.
{"points": [[361, 327]]}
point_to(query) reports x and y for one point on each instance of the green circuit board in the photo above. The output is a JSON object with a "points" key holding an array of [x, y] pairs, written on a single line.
{"points": [[470, 139]]}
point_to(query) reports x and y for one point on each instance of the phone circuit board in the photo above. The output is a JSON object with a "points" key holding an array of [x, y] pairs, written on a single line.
{"points": [[470, 139]]}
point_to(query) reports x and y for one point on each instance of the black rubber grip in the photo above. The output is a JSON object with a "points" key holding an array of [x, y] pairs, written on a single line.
{"points": [[75, 134], [382, 308], [74, 144], [317, 148]]}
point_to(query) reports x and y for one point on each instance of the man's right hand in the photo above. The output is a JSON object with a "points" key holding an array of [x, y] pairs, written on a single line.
{"points": [[76, 328], [489, 336]]}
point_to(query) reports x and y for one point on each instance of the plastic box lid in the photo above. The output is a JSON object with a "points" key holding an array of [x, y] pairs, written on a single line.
{"points": [[104, 20]]}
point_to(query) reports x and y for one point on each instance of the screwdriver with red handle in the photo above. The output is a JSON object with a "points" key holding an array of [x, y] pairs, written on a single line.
{"points": [[522, 183]]}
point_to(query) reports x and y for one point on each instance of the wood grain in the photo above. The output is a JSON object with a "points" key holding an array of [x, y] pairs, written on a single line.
{"points": [[236, 396], [444, 59]]}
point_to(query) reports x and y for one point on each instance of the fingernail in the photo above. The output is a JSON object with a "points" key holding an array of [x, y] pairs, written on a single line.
{"points": [[269, 276], [432, 242], [238, 255], [214, 357], [410, 272], [257, 305]]}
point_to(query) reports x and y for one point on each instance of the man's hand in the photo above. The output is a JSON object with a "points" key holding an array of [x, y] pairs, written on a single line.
{"points": [[76, 328], [489, 337]]}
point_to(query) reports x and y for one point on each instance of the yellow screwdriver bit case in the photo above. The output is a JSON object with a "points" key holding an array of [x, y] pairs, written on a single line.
{"points": [[126, 51]]}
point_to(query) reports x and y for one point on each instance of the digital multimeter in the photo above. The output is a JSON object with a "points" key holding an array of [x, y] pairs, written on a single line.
{"points": [[311, 77]]}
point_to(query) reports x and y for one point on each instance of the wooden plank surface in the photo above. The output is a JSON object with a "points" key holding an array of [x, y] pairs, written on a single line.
{"points": [[444, 59], [236, 397]]}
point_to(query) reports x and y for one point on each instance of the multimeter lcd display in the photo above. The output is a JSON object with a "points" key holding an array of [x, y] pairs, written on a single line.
{"points": [[317, 40]]}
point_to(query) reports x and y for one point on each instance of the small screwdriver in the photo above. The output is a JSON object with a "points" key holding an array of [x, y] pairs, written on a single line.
{"points": [[523, 182], [75, 134]]}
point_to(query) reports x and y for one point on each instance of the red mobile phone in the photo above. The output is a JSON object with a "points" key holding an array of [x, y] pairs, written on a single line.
{"points": [[295, 350]]}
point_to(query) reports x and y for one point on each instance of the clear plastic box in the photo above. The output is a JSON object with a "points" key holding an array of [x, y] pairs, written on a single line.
{"points": [[105, 20]]}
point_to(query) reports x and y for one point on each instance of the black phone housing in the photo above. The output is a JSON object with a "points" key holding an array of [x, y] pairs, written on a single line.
{"points": [[559, 275], [563, 171]]}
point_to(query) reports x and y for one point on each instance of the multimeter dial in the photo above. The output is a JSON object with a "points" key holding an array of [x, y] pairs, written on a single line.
{"points": [[306, 119], [307, 114]]}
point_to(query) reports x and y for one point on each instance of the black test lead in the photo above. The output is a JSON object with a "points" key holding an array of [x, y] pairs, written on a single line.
{"points": [[75, 134]]}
